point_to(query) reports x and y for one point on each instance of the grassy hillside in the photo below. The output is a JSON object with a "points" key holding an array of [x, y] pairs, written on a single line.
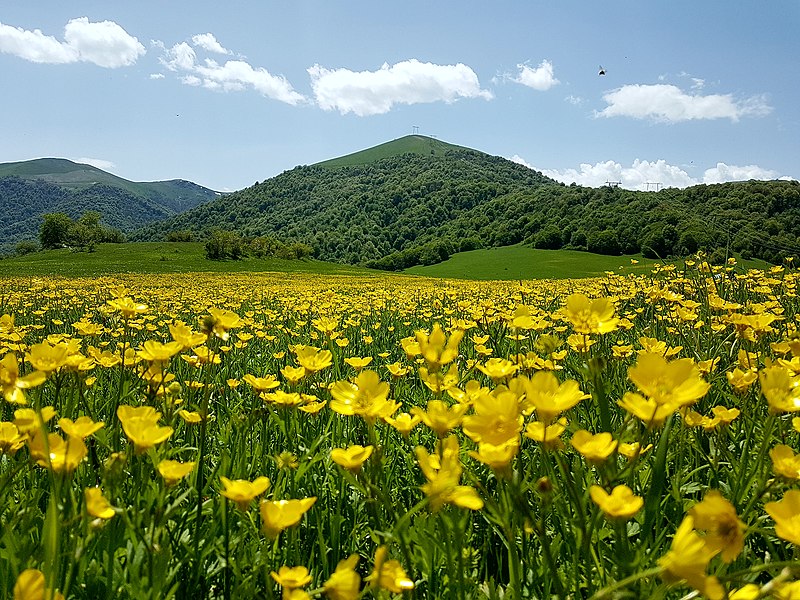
{"points": [[410, 144], [153, 257], [176, 194], [520, 262]]}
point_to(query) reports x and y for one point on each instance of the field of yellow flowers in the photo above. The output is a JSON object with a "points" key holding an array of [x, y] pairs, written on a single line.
{"points": [[298, 436]]}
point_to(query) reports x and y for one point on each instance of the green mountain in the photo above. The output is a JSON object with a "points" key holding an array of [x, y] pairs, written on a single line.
{"points": [[29, 189], [417, 200], [410, 144]]}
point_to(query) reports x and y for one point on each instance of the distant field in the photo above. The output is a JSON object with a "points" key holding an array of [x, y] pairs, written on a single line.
{"points": [[511, 262], [154, 257], [519, 262]]}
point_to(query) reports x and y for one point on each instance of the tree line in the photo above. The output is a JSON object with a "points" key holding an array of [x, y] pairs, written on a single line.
{"points": [[410, 209]]}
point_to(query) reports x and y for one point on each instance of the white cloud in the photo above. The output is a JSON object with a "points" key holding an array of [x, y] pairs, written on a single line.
{"points": [[408, 82], [232, 76], [650, 175], [100, 163], [541, 78], [35, 46], [520, 161], [103, 43], [156, 76], [209, 43], [723, 172], [668, 103], [574, 100]]}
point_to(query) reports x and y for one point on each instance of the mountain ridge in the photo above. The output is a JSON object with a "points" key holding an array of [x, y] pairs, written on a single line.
{"points": [[31, 188]]}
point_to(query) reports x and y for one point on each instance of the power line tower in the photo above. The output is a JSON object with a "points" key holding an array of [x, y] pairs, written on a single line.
{"points": [[657, 185]]}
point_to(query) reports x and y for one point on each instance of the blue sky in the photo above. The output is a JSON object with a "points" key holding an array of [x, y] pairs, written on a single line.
{"points": [[226, 94]]}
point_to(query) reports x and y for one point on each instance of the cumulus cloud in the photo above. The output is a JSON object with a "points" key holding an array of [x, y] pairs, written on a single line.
{"points": [[668, 103], [157, 76], [231, 76], [646, 175], [104, 43], [542, 78], [100, 163], [209, 43], [408, 82]]}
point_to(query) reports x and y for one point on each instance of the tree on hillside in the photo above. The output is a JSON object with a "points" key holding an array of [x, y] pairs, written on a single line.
{"points": [[54, 232]]}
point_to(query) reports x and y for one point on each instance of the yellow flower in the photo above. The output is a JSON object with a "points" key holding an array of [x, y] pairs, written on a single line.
{"points": [[620, 504], [724, 531], [97, 505], [83, 427], [29, 421], [282, 398], [219, 321], [443, 472], [688, 558], [594, 448], [293, 374], [184, 335], [547, 397], [590, 316], [127, 306], [497, 457], [633, 450], [261, 384], [10, 438], [140, 425], [190, 417], [781, 389], [367, 397], [156, 352], [439, 417], [291, 577], [439, 381], [60, 455], [173, 471], [404, 422], [47, 357], [344, 582], [242, 492], [358, 363], [497, 419], [12, 384], [397, 370], [785, 462], [313, 359], [389, 574], [740, 380], [436, 348], [786, 514], [30, 586], [498, 369], [547, 435], [676, 383], [351, 458], [281, 514], [749, 591], [787, 591], [646, 409]]}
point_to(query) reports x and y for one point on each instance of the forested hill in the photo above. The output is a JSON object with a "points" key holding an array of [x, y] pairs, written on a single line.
{"points": [[32, 188], [358, 213], [418, 206]]}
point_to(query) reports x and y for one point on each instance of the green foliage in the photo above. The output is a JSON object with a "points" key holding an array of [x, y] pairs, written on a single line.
{"points": [[26, 247], [54, 231], [225, 244], [395, 206], [59, 230]]}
